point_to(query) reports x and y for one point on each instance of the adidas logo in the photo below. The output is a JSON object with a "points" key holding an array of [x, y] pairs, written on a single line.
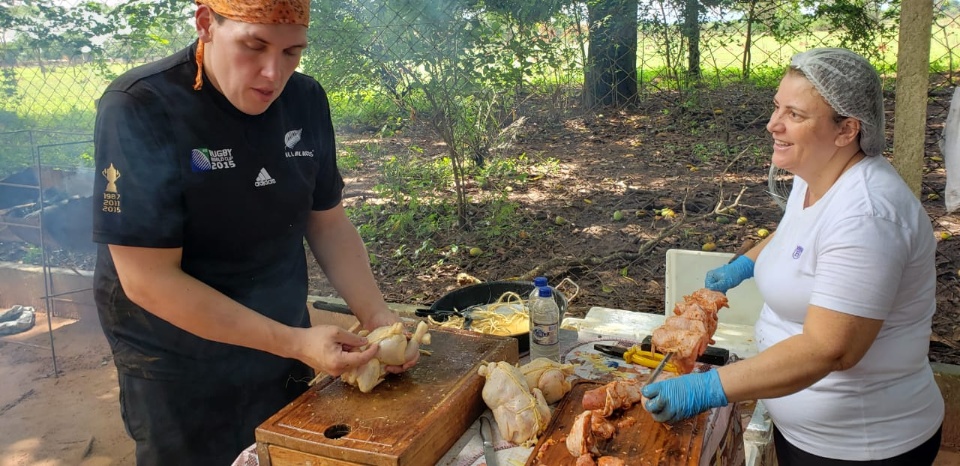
{"points": [[264, 179]]}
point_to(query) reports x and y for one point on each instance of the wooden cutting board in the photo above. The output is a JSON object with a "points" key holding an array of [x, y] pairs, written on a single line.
{"points": [[711, 438], [408, 419]]}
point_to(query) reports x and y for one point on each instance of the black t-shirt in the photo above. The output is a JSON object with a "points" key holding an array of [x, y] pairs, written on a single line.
{"points": [[184, 168]]}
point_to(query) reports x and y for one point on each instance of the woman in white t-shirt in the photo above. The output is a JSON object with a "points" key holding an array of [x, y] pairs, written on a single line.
{"points": [[849, 285]]}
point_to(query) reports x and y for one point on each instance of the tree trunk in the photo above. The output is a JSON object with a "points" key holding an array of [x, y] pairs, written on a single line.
{"points": [[748, 42], [691, 30], [610, 78]]}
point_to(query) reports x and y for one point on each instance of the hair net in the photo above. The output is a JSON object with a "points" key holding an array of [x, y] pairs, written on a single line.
{"points": [[850, 84]]}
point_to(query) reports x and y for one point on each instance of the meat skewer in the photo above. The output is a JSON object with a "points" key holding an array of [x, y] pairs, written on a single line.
{"points": [[688, 332]]}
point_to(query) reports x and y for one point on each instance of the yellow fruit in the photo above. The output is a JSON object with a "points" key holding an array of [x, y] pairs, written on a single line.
{"points": [[560, 220], [709, 246], [742, 221], [763, 233], [933, 196], [617, 216], [667, 213], [945, 235], [475, 251]]}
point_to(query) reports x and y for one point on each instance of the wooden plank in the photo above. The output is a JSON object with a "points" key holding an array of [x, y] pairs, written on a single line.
{"points": [[412, 418]]}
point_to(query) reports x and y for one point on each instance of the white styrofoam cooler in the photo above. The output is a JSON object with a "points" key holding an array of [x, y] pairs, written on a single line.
{"points": [[685, 272]]}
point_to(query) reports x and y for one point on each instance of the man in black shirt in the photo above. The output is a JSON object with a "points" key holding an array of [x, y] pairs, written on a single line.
{"points": [[217, 162]]}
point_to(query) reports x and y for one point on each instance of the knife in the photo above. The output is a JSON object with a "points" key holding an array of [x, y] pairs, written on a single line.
{"points": [[656, 372], [489, 454]]}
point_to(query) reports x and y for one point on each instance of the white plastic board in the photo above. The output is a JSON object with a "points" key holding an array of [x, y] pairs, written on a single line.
{"points": [[685, 272]]}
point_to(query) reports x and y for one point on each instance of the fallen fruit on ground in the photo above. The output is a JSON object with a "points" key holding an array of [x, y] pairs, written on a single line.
{"points": [[475, 251], [709, 246], [763, 233], [742, 221], [617, 216]]}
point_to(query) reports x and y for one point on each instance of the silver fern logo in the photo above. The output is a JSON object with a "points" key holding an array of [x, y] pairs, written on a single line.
{"points": [[292, 138]]}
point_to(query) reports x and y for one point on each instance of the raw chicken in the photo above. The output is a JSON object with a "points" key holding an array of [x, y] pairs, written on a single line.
{"points": [[395, 350], [521, 412], [549, 376]]}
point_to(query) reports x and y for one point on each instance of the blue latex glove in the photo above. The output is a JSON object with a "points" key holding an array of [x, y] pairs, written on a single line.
{"points": [[729, 275], [681, 397]]}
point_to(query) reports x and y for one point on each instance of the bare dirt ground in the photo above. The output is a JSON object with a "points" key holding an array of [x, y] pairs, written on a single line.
{"points": [[636, 162]]}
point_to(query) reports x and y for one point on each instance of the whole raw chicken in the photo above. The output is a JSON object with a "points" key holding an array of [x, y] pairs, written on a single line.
{"points": [[395, 350], [521, 412], [549, 376]]}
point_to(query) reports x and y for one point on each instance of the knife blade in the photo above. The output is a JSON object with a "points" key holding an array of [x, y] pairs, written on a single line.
{"points": [[489, 454], [656, 372]]}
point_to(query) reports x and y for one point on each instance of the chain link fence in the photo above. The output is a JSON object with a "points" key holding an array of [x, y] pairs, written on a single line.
{"points": [[469, 67]]}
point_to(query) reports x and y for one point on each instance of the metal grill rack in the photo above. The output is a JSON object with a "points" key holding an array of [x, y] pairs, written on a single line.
{"points": [[42, 145]]}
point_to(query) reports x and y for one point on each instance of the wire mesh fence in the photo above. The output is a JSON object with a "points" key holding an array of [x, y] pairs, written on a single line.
{"points": [[468, 67]]}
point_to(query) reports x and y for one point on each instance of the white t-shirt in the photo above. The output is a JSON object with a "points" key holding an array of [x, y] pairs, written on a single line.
{"points": [[867, 249]]}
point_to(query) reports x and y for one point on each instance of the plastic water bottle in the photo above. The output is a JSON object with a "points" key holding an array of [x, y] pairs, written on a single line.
{"points": [[544, 326], [537, 284]]}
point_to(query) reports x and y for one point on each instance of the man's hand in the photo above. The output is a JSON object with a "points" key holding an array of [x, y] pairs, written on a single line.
{"points": [[682, 397], [729, 275], [327, 348], [383, 319]]}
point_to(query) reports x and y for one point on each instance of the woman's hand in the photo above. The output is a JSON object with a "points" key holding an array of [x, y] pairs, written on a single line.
{"points": [[729, 275], [682, 397]]}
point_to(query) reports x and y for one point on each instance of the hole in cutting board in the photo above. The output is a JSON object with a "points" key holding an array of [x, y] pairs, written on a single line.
{"points": [[336, 431]]}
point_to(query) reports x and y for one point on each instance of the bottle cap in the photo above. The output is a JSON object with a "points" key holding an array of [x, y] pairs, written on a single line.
{"points": [[546, 292], [540, 281]]}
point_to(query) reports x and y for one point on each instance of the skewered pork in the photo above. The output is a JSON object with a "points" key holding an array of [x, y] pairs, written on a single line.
{"points": [[690, 330], [581, 440], [619, 394]]}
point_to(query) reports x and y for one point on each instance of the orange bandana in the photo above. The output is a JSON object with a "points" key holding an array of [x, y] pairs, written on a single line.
{"points": [[255, 12]]}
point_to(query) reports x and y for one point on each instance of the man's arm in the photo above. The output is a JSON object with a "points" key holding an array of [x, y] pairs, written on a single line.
{"points": [[340, 251], [152, 278]]}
